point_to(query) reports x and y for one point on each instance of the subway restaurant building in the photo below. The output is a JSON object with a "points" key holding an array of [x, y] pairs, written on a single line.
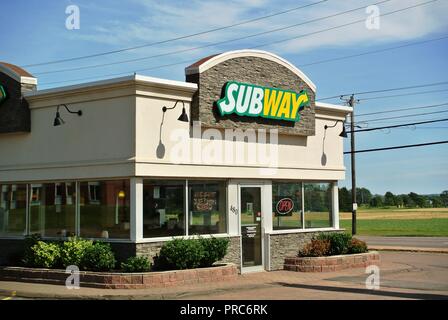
{"points": [[241, 149]]}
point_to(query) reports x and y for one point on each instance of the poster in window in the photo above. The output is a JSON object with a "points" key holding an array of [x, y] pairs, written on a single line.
{"points": [[205, 201]]}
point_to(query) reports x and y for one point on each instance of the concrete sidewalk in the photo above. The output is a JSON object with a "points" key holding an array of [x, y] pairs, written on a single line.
{"points": [[403, 276]]}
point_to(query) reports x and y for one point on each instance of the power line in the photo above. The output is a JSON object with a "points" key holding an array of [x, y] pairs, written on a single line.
{"points": [[387, 90], [193, 60], [392, 122], [404, 94], [398, 125], [176, 38], [403, 109], [309, 64], [344, 25], [228, 41], [405, 116], [372, 52], [397, 147], [121, 73]]}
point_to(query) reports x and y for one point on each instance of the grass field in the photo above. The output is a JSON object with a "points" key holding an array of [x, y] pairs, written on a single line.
{"points": [[399, 222]]}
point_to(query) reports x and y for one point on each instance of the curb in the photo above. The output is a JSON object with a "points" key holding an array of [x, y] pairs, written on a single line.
{"points": [[132, 296], [409, 249]]}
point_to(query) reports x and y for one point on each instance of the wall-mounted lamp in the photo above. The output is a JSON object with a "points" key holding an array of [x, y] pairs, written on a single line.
{"points": [[58, 120], [343, 134], [183, 117]]}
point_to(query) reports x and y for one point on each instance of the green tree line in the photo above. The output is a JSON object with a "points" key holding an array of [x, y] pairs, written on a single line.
{"points": [[412, 200]]}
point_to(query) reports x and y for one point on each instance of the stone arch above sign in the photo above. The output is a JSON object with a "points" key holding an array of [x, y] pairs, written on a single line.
{"points": [[262, 72]]}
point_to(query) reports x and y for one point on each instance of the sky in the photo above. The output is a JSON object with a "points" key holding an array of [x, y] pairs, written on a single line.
{"points": [[35, 31]]}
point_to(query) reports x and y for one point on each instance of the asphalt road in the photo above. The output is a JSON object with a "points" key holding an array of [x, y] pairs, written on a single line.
{"points": [[422, 242]]}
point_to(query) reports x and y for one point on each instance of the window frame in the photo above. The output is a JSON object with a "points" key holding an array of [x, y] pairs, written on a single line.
{"points": [[304, 229], [186, 210]]}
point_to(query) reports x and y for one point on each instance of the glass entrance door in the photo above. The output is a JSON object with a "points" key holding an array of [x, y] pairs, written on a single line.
{"points": [[251, 237]]}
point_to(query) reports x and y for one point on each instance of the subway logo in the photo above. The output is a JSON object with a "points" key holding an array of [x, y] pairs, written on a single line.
{"points": [[2, 94], [246, 99]]}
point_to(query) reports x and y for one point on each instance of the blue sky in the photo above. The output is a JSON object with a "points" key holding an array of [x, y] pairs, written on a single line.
{"points": [[34, 31]]}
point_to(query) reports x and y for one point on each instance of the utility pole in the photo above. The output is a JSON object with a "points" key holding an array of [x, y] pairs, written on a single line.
{"points": [[351, 103]]}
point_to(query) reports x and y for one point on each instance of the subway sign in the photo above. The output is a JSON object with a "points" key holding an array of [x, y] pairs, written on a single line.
{"points": [[2, 94], [249, 100]]}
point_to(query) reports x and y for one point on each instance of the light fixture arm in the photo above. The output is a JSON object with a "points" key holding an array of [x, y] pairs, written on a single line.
{"points": [[79, 112], [326, 127], [342, 134], [183, 117], [164, 109]]}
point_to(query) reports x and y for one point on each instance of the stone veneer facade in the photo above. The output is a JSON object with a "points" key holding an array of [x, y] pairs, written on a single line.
{"points": [[151, 249], [15, 113], [253, 70], [288, 245]]}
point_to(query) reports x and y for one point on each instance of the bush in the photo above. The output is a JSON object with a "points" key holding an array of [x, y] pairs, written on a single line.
{"points": [[179, 254], [316, 248], [72, 251], [339, 242], [136, 264], [45, 255], [357, 246], [28, 253], [213, 249], [98, 257]]}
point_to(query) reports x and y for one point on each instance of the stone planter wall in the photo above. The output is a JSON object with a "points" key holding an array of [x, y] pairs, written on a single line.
{"points": [[285, 245], [111, 280], [331, 263], [151, 249]]}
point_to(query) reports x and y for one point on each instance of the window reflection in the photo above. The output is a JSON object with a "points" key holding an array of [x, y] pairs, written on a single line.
{"points": [[13, 209], [163, 208], [318, 205], [52, 209], [104, 209]]}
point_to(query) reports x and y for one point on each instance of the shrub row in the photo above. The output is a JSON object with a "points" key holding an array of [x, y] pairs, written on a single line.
{"points": [[85, 254], [98, 256], [330, 244]]}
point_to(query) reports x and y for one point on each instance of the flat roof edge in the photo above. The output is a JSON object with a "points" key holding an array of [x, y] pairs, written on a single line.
{"points": [[323, 106], [174, 84]]}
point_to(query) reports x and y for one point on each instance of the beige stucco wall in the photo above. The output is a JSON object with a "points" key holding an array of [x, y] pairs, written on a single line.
{"points": [[104, 134], [118, 135], [294, 157]]}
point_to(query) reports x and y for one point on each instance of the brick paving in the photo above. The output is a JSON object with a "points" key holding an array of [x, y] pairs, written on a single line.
{"points": [[404, 275]]}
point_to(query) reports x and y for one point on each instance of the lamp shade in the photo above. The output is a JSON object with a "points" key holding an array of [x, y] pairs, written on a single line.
{"points": [[343, 134], [183, 117], [57, 120]]}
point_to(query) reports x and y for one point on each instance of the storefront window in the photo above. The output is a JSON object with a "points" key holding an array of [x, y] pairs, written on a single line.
{"points": [[52, 209], [12, 209], [163, 208], [207, 207], [286, 205], [318, 205], [104, 209]]}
